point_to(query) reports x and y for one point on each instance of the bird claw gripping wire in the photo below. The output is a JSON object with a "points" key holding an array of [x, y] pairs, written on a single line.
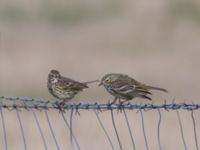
{"points": [[120, 107], [58, 106], [77, 109], [61, 109], [98, 107]]}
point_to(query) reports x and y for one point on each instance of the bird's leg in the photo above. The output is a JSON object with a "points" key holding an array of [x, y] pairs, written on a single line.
{"points": [[114, 101], [61, 106], [120, 107], [121, 102]]}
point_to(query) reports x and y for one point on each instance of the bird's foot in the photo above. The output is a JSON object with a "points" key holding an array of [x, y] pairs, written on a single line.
{"points": [[61, 107], [114, 101]]}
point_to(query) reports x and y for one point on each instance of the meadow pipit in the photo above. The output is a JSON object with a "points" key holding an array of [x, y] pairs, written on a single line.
{"points": [[64, 88], [121, 86]]}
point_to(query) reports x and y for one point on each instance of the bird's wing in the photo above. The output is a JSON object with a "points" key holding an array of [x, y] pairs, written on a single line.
{"points": [[128, 85], [140, 87], [69, 84], [123, 86]]}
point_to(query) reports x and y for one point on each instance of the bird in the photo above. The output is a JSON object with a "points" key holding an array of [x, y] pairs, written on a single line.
{"points": [[64, 88], [124, 87]]}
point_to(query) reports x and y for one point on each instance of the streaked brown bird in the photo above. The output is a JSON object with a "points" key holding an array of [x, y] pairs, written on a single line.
{"points": [[64, 88], [121, 86]]}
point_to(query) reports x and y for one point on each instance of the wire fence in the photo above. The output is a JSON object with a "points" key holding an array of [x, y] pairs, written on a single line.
{"points": [[155, 129]]}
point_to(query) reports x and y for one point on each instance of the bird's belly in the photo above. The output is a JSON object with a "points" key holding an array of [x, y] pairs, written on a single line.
{"points": [[117, 94], [61, 94]]}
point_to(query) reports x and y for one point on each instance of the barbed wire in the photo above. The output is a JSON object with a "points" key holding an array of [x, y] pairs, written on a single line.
{"points": [[40, 103], [33, 104]]}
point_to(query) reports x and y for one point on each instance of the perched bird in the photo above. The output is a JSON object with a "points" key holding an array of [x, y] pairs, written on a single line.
{"points": [[64, 88], [121, 86]]}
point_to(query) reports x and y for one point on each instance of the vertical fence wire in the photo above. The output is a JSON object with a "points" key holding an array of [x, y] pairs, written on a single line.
{"points": [[181, 129], [158, 132], [115, 128], [22, 129], [129, 129], [71, 119], [104, 130], [143, 129], [68, 126], [4, 129], [51, 129], [40, 130], [195, 130]]}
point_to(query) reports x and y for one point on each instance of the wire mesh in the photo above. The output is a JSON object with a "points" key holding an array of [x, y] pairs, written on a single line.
{"points": [[110, 126]]}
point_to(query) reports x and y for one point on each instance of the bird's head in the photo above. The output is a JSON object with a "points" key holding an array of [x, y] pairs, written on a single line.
{"points": [[54, 75], [108, 79]]}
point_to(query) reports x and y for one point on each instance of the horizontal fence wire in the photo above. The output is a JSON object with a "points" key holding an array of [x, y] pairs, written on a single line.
{"points": [[39, 103]]}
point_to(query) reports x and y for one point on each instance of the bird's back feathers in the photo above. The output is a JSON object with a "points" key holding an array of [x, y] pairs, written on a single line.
{"points": [[125, 87]]}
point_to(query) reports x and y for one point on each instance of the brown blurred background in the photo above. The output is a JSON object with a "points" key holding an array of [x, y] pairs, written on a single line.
{"points": [[156, 42]]}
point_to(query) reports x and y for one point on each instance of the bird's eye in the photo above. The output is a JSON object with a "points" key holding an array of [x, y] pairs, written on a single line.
{"points": [[57, 76], [107, 80]]}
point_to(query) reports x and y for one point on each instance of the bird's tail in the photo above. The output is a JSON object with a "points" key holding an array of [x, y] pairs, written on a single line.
{"points": [[88, 82], [156, 88]]}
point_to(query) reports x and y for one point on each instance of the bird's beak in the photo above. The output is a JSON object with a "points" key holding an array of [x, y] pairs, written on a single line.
{"points": [[100, 84]]}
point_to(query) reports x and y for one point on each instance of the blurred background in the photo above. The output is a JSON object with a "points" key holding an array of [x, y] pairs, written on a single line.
{"points": [[156, 42]]}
